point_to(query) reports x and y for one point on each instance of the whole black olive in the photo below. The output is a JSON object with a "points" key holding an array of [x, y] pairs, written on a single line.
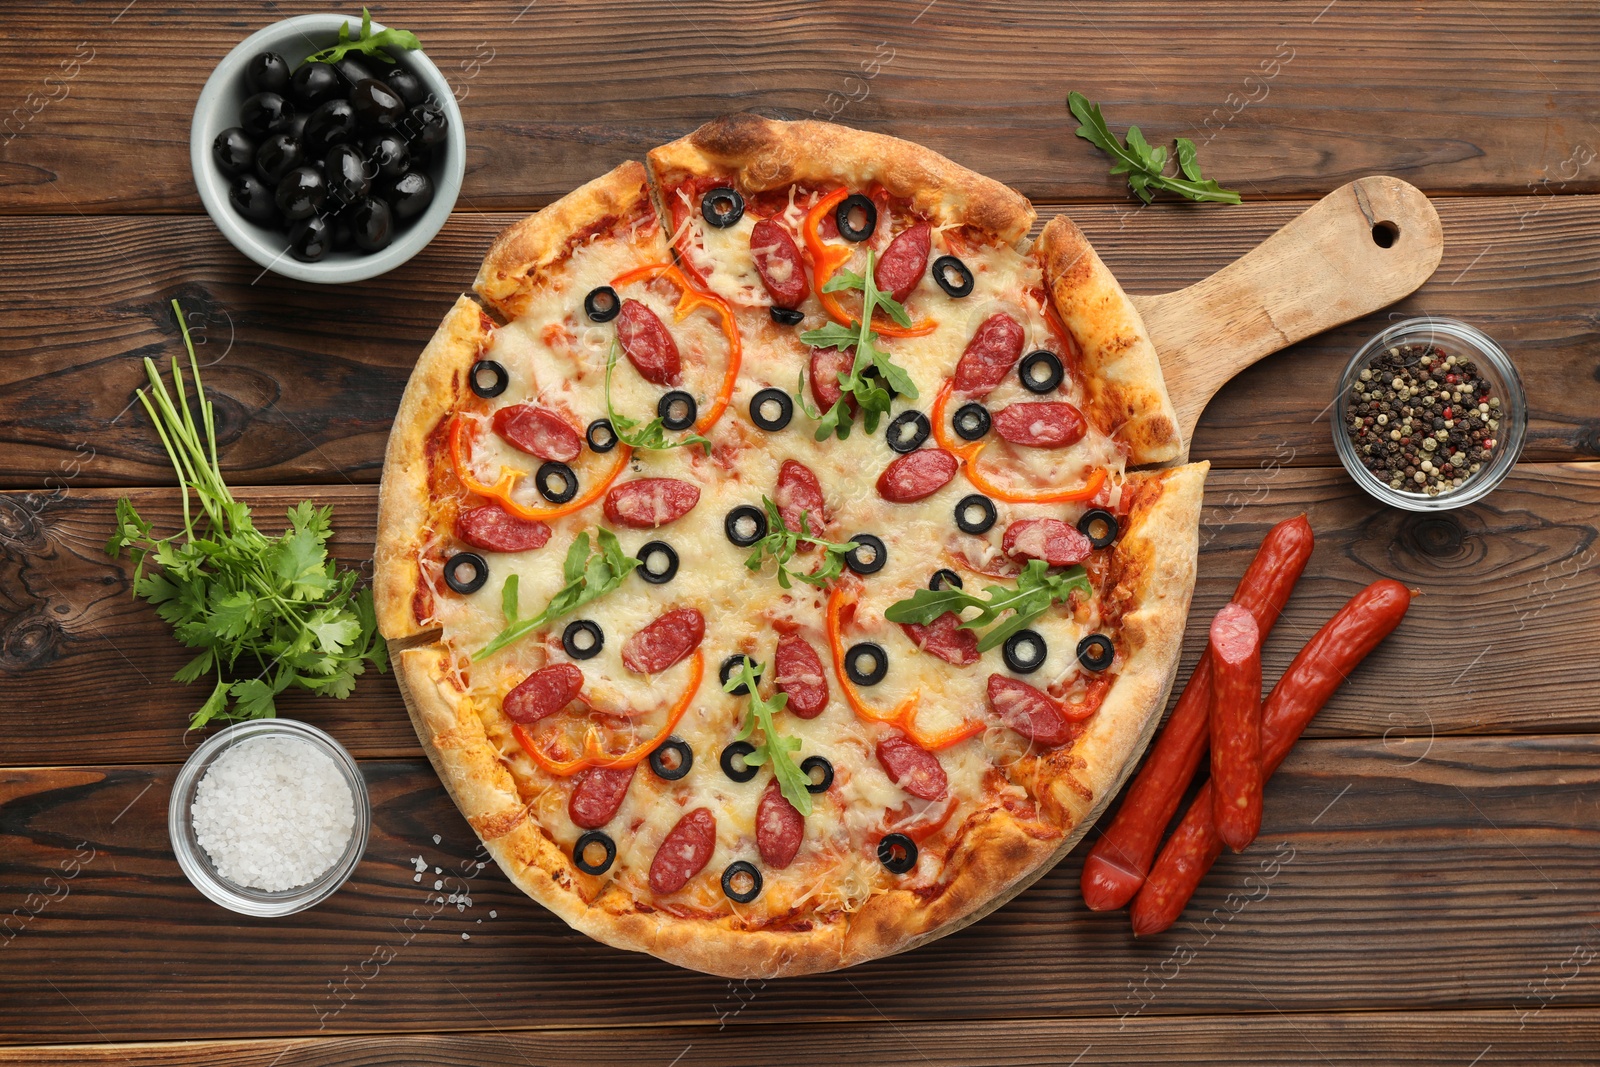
{"points": [[377, 105], [295, 127], [316, 83], [426, 125], [301, 193], [252, 199], [310, 239], [234, 150], [346, 174], [333, 122], [277, 156], [407, 84], [412, 194], [388, 153], [267, 72], [260, 112], [373, 224], [351, 69]]}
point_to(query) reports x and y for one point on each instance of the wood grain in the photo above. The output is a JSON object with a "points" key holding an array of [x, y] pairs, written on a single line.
{"points": [[1380, 880], [1499, 580], [309, 397], [1293, 99]]}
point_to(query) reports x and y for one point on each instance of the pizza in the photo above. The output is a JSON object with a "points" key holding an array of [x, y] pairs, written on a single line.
{"points": [[777, 553]]}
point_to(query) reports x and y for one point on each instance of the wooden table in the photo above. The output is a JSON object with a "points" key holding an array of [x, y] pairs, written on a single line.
{"points": [[1434, 892]]}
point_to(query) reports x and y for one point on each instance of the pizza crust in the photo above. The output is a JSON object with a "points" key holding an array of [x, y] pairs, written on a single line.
{"points": [[1125, 391]]}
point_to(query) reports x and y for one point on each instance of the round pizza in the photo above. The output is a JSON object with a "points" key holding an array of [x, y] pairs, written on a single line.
{"points": [[777, 554]]}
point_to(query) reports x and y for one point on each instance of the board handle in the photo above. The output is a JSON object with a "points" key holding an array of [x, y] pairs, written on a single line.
{"points": [[1361, 247]]}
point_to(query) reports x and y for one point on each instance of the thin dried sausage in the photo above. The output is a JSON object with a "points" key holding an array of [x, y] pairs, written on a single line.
{"points": [[543, 693], [826, 366], [778, 261], [1236, 726], [665, 641], [995, 347], [684, 852], [648, 345], [916, 475], [1031, 712], [538, 432], [1040, 424], [780, 828], [1056, 542], [799, 674], [904, 261], [645, 503], [798, 493], [494, 529], [598, 795], [945, 638], [914, 769]]}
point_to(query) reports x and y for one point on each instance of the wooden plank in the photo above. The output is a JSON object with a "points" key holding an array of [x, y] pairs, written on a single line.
{"points": [[1473, 96], [309, 397], [1499, 579], [1463, 880], [1446, 1038]]}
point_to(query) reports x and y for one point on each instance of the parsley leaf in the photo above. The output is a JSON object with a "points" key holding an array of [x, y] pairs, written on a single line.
{"points": [[1143, 164], [588, 577], [652, 435], [775, 748], [1031, 597], [781, 543], [369, 43], [872, 375]]}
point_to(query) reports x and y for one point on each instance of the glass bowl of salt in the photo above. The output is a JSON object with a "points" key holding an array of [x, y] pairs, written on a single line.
{"points": [[269, 817]]}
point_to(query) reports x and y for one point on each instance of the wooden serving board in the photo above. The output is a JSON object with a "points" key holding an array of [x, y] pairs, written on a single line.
{"points": [[1361, 247]]}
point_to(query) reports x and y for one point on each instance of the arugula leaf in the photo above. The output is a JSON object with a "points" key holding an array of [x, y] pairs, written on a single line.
{"points": [[369, 43], [652, 435], [587, 577], [775, 748], [872, 374], [1031, 597], [1143, 164], [781, 543], [279, 604]]}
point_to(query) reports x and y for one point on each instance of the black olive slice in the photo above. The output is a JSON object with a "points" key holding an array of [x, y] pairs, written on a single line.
{"points": [[583, 639], [844, 215], [908, 431], [733, 764], [745, 525], [975, 514], [730, 667], [1025, 651], [787, 316], [953, 276], [498, 378], [580, 852], [1096, 652], [1098, 518], [677, 410], [866, 650], [971, 421], [820, 771], [898, 853], [771, 409], [658, 562], [869, 555], [601, 435], [944, 578], [1040, 371], [722, 207], [741, 872], [602, 304], [477, 572], [672, 759], [556, 482]]}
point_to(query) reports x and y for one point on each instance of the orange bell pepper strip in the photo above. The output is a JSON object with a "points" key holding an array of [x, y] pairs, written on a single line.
{"points": [[594, 753], [695, 297], [500, 491], [905, 716], [968, 454], [825, 259]]}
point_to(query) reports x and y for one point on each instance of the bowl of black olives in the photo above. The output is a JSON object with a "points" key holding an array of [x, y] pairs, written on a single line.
{"points": [[328, 149]]}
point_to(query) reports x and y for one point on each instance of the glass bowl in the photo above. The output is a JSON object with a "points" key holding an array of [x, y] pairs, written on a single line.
{"points": [[1459, 339], [196, 862]]}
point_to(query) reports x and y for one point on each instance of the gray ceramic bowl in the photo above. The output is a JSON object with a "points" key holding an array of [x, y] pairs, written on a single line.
{"points": [[218, 109]]}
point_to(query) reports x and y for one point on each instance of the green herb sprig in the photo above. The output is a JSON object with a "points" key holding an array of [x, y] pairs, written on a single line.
{"points": [[1143, 164], [781, 543], [651, 436], [1035, 591], [279, 604], [588, 577], [368, 44], [873, 373], [775, 748]]}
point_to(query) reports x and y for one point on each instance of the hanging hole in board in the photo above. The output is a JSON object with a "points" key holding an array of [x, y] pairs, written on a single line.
{"points": [[1385, 234]]}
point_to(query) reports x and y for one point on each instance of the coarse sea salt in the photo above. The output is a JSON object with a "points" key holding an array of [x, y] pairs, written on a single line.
{"points": [[273, 813]]}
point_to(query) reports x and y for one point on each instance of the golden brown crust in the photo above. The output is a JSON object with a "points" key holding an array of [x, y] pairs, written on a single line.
{"points": [[405, 505], [1127, 396], [764, 154], [527, 248]]}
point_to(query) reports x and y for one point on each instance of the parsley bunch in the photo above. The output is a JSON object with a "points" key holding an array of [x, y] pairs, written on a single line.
{"points": [[1035, 591], [873, 374], [587, 577], [652, 435], [1144, 165], [781, 543], [775, 748], [368, 44], [280, 604]]}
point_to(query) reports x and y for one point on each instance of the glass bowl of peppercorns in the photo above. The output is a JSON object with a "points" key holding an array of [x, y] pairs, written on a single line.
{"points": [[1430, 415]]}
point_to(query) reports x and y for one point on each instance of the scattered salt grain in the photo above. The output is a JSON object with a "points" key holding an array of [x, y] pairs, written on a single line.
{"points": [[438, 885], [273, 813], [493, 914], [416, 877], [436, 839], [466, 937]]}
